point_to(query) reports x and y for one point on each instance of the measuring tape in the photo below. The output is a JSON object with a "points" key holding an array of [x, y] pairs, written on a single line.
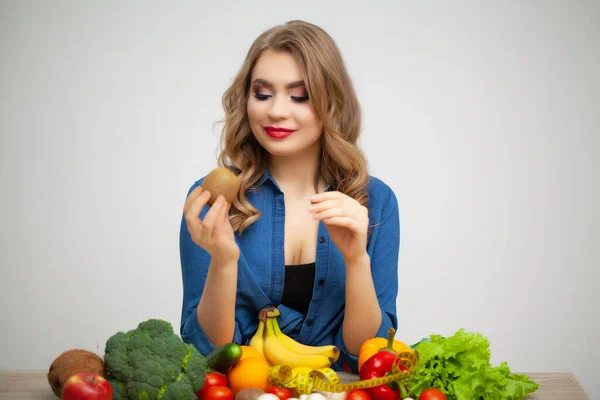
{"points": [[327, 380]]}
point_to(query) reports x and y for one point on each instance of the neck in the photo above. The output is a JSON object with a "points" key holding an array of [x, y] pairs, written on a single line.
{"points": [[297, 174]]}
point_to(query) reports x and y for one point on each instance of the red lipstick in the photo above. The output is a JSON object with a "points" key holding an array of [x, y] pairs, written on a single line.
{"points": [[278, 132]]}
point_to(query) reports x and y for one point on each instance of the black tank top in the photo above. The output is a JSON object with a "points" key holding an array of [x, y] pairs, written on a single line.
{"points": [[298, 286]]}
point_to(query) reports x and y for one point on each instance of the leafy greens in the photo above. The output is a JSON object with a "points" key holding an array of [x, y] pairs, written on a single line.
{"points": [[460, 367]]}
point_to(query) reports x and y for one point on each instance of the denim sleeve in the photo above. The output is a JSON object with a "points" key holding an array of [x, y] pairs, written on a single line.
{"points": [[384, 263], [194, 268], [385, 247]]}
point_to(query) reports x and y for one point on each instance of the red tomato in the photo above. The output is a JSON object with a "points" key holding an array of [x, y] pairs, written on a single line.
{"points": [[282, 393], [358, 394], [212, 379], [219, 393], [432, 394]]}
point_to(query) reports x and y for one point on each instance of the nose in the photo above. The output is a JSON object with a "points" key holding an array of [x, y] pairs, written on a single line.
{"points": [[279, 108]]}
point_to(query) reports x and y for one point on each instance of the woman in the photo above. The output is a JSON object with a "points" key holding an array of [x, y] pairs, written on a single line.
{"points": [[310, 232]]}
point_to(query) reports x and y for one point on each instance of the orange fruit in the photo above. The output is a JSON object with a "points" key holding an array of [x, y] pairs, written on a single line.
{"points": [[248, 373], [250, 352]]}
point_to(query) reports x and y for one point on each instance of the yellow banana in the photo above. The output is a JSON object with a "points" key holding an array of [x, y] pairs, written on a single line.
{"points": [[258, 340], [297, 370], [277, 354], [272, 312], [329, 351]]}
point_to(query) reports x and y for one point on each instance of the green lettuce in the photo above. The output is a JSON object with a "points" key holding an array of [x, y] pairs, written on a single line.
{"points": [[460, 367]]}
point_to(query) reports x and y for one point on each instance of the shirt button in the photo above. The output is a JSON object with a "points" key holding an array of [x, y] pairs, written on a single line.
{"points": [[321, 282], [322, 239], [309, 322]]}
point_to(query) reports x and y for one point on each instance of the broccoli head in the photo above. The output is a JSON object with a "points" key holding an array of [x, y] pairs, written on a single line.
{"points": [[152, 363]]}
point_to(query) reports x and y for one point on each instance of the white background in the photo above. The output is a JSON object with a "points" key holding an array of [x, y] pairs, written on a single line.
{"points": [[482, 116]]}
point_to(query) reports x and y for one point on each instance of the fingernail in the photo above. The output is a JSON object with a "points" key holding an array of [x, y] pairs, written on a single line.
{"points": [[311, 208]]}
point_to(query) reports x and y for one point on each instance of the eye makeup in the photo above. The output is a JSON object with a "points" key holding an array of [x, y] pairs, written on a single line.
{"points": [[261, 89], [299, 95]]}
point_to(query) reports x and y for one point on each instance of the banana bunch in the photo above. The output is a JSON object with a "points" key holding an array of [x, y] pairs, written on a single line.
{"points": [[280, 349]]}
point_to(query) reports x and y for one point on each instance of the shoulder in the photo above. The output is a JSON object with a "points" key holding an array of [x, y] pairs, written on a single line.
{"points": [[381, 194], [196, 184]]}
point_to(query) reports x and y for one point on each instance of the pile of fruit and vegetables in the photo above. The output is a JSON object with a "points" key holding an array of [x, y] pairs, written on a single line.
{"points": [[151, 362]]}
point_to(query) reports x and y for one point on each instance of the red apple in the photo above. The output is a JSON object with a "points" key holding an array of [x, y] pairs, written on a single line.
{"points": [[87, 386]]}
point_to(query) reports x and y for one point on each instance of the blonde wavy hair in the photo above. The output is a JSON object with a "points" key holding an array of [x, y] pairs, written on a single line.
{"points": [[331, 93]]}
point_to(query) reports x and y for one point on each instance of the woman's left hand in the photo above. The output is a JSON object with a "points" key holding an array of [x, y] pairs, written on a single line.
{"points": [[346, 221]]}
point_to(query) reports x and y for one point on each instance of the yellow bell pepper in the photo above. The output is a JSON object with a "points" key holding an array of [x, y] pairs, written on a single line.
{"points": [[372, 346]]}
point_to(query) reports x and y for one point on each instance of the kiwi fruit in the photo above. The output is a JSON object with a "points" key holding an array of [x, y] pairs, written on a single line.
{"points": [[221, 181], [72, 362]]}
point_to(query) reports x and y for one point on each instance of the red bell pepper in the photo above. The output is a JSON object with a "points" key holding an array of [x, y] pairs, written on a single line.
{"points": [[379, 365]]}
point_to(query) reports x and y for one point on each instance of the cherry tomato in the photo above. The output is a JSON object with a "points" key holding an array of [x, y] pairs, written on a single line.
{"points": [[282, 393], [358, 394], [212, 379], [432, 394], [218, 393]]}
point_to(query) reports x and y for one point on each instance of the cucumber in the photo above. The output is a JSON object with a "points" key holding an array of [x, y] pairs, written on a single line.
{"points": [[221, 358]]}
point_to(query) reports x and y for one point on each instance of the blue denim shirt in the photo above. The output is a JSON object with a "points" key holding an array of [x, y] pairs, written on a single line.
{"points": [[261, 270]]}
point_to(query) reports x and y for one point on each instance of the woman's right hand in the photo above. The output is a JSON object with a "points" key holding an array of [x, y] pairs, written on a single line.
{"points": [[214, 233]]}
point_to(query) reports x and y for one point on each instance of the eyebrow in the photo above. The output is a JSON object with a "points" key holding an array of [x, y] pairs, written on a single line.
{"points": [[270, 85]]}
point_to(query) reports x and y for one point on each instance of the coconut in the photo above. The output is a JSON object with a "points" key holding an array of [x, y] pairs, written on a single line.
{"points": [[70, 363]]}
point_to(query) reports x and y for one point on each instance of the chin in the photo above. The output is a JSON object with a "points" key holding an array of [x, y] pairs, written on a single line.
{"points": [[281, 151], [277, 147], [285, 147]]}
